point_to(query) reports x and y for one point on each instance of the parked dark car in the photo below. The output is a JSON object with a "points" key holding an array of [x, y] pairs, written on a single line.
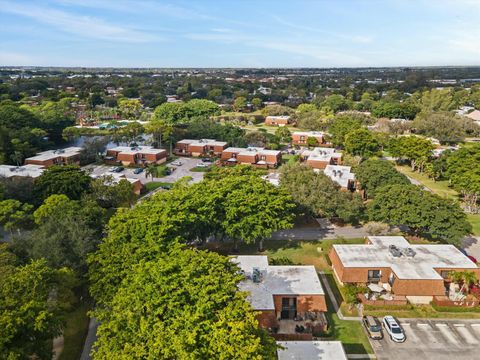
{"points": [[117, 169], [207, 160], [138, 171]]}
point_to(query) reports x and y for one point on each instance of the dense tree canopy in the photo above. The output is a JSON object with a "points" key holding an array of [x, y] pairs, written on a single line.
{"points": [[30, 317], [208, 129], [184, 304], [318, 195], [340, 127], [180, 112], [67, 230], [234, 203], [373, 174], [68, 180], [362, 142], [425, 213], [395, 110], [446, 127], [415, 149], [462, 168]]}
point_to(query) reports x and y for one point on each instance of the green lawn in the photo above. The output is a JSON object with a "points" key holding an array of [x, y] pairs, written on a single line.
{"points": [[438, 187], [75, 332], [297, 251], [155, 185], [349, 332], [201, 169], [475, 221]]}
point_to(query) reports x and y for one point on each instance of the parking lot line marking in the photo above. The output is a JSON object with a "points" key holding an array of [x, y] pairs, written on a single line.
{"points": [[427, 331], [466, 335], [458, 325], [447, 333], [410, 333]]}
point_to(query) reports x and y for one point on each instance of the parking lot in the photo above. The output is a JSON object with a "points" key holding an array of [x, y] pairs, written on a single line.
{"points": [[432, 339], [178, 173]]}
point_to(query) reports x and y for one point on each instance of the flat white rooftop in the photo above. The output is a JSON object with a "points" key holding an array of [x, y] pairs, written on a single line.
{"points": [[321, 154], [137, 150], [53, 154], [252, 151], [202, 142], [422, 265], [275, 280], [278, 117], [308, 133], [311, 350], [340, 174], [28, 170]]}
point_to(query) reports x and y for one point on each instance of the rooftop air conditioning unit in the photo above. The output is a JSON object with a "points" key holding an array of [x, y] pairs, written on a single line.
{"points": [[409, 252], [395, 251], [256, 275]]}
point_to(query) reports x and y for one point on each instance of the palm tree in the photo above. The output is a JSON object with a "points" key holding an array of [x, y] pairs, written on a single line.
{"points": [[469, 278], [17, 157], [151, 170]]}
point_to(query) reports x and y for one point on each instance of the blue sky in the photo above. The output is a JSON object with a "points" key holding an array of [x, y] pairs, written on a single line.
{"points": [[240, 33]]}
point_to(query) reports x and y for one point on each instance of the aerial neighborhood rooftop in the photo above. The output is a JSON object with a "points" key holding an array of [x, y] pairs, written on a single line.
{"points": [[65, 156], [417, 272], [282, 293]]}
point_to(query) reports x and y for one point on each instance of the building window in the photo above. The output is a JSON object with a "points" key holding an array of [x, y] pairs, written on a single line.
{"points": [[374, 275], [289, 308]]}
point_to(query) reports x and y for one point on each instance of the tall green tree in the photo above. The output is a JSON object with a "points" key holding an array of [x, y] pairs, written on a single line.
{"points": [[362, 142], [184, 304], [68, 180], [423, 212], [373, 174], [340, 127], [30, 316], [14, 215], [318, 195], [415, 149]]}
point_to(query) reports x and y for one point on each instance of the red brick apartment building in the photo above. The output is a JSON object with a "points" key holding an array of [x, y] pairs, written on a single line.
{"points": [[138, 155], [416, 272], [253, 156], [300, 138], [320, 157], [282, 293], [282, 120], [202, 147], [67, 156]]}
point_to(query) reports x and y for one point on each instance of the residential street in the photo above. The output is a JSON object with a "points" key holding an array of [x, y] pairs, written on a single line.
{"points": [[325, 230]]}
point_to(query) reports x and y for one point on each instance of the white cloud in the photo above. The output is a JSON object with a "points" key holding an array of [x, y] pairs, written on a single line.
{"points": [[84, 26]]}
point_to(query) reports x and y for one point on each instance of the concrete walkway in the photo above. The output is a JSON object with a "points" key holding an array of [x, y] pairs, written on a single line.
{"points": [[89, 340], [331, 295]]}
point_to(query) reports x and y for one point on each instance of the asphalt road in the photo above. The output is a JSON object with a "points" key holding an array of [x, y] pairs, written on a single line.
{"points": [[432, 340], [326, 231]]}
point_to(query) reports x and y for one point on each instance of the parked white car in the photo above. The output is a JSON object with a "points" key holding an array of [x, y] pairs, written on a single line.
{"points": [[203, 165], [176, 163], [393, 329]]}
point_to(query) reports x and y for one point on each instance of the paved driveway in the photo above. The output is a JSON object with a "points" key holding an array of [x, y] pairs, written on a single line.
{"points": [[432, 339], [324, 230], [472, 246], [180, 171], [184, 170]]}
